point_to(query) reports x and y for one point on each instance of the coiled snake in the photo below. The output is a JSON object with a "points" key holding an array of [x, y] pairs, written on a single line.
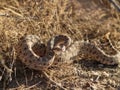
{"points": [[39, 56]]}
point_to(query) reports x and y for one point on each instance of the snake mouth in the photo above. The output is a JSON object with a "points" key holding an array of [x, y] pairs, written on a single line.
{"points": [[59, 48]]}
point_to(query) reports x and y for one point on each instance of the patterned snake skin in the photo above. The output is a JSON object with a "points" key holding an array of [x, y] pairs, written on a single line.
{"points": [[36, 55]]}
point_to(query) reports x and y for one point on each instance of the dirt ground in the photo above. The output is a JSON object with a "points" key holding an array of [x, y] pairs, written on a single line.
{"points": [[82, 20]]}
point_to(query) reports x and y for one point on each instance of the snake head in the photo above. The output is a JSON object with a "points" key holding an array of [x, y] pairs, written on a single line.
{"points": [[61, 46], [59, 43], [59, 49]]}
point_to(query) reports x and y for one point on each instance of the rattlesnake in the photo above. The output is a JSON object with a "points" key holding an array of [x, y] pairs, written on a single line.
{"points": [[39, 56]]}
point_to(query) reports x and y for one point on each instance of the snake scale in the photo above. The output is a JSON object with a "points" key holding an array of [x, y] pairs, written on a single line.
{"points": [[36, 55]]}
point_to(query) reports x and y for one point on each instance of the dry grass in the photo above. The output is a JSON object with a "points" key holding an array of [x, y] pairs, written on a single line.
{"points": [[80, 19]]}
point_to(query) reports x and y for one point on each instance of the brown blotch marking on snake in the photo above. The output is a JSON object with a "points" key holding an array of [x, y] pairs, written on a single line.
{"points": [[36, 67], [25, 60], [30, 55], [111, 61], [20, 51], [25, 48], [29, 61], [44, 63], [101, 60], [24, 53]]}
